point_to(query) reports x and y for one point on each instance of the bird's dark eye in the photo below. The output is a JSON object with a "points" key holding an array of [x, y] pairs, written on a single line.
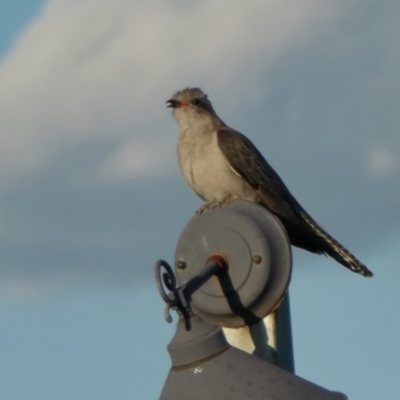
{"points": [[196, 102]]}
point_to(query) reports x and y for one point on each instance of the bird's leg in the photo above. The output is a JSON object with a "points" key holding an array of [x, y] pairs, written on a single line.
{"points": [[227, 200], [205, 206]]}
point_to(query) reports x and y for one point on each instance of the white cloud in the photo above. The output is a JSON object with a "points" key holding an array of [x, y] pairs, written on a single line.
{"points": [[100, 70], [25, 290], [382, 161], [136, 159]]}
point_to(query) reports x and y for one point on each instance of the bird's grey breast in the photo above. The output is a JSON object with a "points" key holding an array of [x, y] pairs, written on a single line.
{"points": [[206, 169]]}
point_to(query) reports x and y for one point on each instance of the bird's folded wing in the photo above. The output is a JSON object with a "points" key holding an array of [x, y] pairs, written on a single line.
{"points": [[244, 158]]}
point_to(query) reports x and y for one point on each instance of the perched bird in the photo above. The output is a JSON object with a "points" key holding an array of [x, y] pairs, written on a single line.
{"points": [[220, 165]]}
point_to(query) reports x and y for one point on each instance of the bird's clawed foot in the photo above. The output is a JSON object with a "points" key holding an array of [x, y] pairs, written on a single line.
{"points": [[227, 200], [222, 203], [205, 206]]}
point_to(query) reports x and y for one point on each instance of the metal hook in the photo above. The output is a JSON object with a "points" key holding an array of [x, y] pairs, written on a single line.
{"points": [[179, 298], [168, 278]]}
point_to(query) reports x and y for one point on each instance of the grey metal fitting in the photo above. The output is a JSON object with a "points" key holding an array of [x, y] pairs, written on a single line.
{"points": [[257, 252]]}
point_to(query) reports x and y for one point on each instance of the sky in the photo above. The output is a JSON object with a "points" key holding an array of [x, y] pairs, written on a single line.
{"points": [[91, 195]]}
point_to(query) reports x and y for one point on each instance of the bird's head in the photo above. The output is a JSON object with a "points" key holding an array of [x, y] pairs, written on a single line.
{"points": [[192, 106]]}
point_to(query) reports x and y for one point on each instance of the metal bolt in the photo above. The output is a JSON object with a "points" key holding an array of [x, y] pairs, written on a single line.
{"points": [[181, 264], [257, 259]]}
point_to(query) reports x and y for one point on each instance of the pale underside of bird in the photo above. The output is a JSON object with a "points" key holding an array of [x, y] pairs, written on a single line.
{"points": [[220, 164]]}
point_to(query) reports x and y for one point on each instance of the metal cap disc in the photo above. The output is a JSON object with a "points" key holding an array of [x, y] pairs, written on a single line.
{"points": [[258, 252]]}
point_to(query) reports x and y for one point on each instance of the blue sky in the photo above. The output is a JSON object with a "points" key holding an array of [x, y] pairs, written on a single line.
{"points": [[91, 194]]}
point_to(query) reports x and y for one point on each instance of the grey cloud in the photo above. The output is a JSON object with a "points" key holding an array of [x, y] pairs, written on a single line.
{"points": [[79, 72], [53, 227], [326, 107], [315, 113]]}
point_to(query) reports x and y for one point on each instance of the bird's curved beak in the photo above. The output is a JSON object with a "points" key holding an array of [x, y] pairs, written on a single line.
{"points": [[176, 104], [172, 103]]}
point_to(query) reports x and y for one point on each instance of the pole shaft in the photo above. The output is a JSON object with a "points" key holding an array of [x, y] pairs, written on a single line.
{"points": [[269, 339]]}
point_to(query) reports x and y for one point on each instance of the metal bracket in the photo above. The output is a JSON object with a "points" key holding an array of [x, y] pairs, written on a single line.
{"points": [[179, 298]]}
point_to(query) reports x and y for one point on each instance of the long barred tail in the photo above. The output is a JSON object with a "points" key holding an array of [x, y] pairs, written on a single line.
{"points": [[336, 250]]}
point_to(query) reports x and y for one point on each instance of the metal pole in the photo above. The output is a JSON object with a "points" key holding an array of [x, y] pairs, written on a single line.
{"points": [[269, 339]]}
